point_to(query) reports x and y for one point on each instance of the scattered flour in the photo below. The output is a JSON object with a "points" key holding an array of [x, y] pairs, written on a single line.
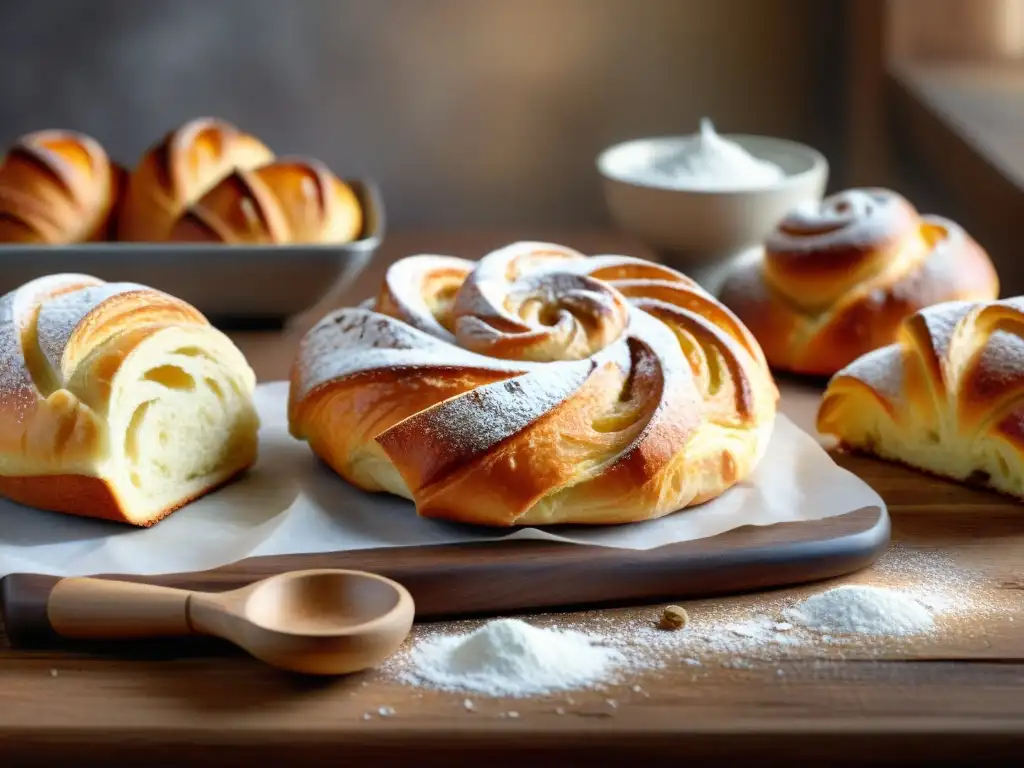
{"points": [[509, 657], [915, 595], [861, 609]]}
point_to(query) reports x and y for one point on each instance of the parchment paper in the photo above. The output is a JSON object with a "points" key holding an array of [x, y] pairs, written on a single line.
{"points": [[291, 503]]}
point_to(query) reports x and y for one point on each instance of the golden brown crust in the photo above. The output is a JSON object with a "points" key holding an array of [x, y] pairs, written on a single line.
{"points": [[287, 201], [947, 398], [70, 494], [837, 283], [178, 170], [57, 187], [94, 382], [352, 413], [85, 496], [537, 386], [813, 256]]}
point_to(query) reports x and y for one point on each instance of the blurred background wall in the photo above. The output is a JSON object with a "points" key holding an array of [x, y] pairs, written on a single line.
{"points": [[471, 113]]}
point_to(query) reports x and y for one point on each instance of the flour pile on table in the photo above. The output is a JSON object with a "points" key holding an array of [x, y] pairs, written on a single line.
{"points": [[919, 594], [860, 609], [509, 657]]}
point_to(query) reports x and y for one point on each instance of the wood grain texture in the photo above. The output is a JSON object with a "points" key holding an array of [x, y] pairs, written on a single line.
{"points": [[506, 577], [957, 700]]}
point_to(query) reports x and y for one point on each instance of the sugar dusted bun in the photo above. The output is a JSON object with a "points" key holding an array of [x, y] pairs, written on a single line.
{"points": [[179, 170], [57, 187], [292, 200], [536, 386], [117, 401], [947, 397], [836, 281]]}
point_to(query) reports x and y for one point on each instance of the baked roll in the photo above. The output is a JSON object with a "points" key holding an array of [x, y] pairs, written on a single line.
{"points": [[179, 170], [836, 281], [536, 386], [117, 401], [57, 187], [945, 398], [288, 201]]}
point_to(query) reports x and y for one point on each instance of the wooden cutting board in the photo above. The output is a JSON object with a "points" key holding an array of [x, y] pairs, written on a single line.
{"points": [[506, 577]]}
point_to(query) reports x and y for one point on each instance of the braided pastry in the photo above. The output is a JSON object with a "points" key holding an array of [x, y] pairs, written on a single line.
{"points": [[179, 170], [536, 386], [117, 401], [57, 187], [288, 201], [837, 281], [945, 398]]}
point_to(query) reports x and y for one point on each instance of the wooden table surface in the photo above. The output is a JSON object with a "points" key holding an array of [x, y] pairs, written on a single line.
{"points": [[956, 698]]}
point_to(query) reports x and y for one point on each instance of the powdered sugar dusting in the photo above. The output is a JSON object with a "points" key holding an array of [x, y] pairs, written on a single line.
{"points": [[475, 421], [941, 320], [1002, 358], [490, 301], [854, 218], [16, 308], [351, 341], [483, 294], [16, 385], [59, 317], [537, 301], [528, 256], [1013, 302], [935, 279], [881, 369], [405, 280]]}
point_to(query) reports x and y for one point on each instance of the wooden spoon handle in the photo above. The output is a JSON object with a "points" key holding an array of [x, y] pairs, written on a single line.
{"points": [[98, 609]]}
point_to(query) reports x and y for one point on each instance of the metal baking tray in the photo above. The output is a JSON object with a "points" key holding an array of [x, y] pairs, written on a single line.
{"points": [[235, 286]]}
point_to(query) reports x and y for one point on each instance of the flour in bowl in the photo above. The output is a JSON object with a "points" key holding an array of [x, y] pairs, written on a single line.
{"points": [[709, 161]]}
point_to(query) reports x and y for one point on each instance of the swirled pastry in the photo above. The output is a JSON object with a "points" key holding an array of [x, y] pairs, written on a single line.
{"points": [[287, 201], [57, 187], [945, 398], [180, 169], [117, 401], [536, 386], [836, 281]]}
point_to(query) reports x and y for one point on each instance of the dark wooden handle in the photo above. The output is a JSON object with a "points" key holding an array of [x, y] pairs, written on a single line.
{"points": [[504, 577]]}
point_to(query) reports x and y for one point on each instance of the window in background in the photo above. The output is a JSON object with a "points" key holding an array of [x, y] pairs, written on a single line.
{"points": [[936, 94], [955, 30]]}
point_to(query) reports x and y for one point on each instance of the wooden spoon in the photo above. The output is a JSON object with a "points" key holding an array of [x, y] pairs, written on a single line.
{"points": [[323, 622]]}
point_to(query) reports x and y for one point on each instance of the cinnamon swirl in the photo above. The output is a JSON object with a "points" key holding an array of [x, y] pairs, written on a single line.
{"points": [[836, 281], [536, 386]]}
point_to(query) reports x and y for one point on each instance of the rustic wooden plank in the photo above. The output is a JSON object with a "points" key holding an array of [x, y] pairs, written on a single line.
{"points": [[493, 578], [818, 711]]}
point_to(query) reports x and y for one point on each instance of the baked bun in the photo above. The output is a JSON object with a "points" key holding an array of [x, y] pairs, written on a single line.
{"points": [[179, 170], [288, 201], [117, 401], [945, 398], [57, 187], [536, 386], [837, 280]]}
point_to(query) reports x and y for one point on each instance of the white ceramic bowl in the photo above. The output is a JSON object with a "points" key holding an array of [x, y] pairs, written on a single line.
{"points": [[696, 229]]}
